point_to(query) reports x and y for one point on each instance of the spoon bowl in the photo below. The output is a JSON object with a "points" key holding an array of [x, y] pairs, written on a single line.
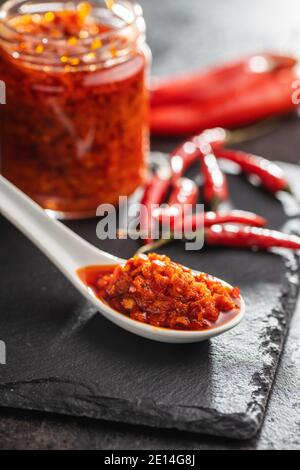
{"points": [[69, 252], [165, 335]]}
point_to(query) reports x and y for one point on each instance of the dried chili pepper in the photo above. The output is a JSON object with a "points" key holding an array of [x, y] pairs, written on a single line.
{"points": [[215, 189], [154, 194], [249, 237], [218, 81], [190, 223], [185, 194], [231, 111], [188, 153], [270, 174], [196, 221]]}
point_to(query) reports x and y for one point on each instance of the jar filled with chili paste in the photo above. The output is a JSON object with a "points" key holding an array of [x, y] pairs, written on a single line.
{"points": [[74, 129]]}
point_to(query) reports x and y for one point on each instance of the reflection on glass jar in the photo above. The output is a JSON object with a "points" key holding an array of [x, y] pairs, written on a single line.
{"points": [[74, 130]]}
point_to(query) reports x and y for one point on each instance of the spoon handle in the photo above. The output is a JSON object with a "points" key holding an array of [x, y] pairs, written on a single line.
{"points": [[62, 246]]}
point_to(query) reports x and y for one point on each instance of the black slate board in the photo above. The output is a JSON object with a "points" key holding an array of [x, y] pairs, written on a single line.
{"points": [[64, 357]]}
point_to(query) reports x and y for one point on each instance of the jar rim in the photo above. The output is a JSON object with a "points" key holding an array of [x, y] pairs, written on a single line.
{"points": [[126, 18], [127, 6]]}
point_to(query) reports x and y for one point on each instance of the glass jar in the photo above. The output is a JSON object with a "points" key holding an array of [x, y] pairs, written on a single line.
{"points": [[74, 129]]}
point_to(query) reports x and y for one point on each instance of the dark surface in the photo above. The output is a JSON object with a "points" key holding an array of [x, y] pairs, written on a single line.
{"points": [[65, 357], [281, 428]]}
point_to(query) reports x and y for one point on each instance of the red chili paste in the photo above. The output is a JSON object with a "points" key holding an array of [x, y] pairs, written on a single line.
{"points": [[155, 290], [74, 129]]}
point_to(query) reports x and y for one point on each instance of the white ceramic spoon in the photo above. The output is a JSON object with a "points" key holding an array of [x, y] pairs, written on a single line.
{"points": [[69, 252]]}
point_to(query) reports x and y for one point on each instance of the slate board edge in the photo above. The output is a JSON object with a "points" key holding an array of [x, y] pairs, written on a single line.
{"points": [[184, 418], [274, 339]]}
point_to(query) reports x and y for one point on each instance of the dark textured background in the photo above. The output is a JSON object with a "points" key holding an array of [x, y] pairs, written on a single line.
{"points": [[181, 39]]}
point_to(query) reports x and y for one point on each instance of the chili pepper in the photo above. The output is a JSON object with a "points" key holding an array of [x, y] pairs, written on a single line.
{"points": [[215, 189], [218, 81], [185, 194], [195, 221], [249, 237], [270, 174], [182, 158], [185, 191], [154, 194], [190, 223], [270, 97], [188, 153]]}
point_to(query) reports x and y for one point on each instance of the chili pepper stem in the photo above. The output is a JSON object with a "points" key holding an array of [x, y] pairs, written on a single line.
{"points": [[215, 204], [153, 246], [289, 190], [260, 129], [121, 234]]}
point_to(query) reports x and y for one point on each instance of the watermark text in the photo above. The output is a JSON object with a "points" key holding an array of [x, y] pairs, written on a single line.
{"points": [[2, 353], [153, 222]]}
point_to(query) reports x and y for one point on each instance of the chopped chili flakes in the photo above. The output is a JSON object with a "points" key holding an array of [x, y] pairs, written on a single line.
{"points": [[109, 3], [152, 289]]}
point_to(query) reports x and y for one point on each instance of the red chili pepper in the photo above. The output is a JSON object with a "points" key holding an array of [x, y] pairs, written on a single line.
{"points": [[154, 194], [249, 237], [195, 221], [217, 82], [188, 153], [215, 189], [269, 97], [185, 193], [270, 174]]}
